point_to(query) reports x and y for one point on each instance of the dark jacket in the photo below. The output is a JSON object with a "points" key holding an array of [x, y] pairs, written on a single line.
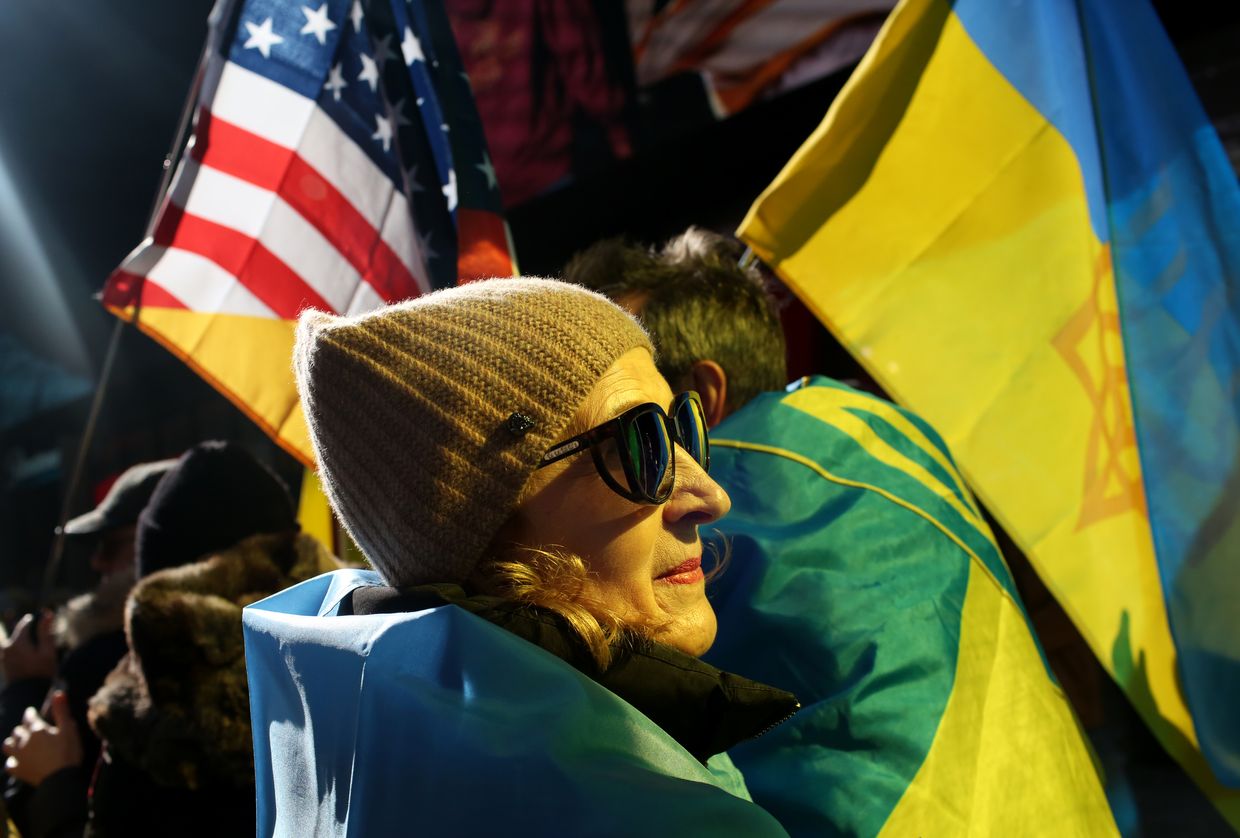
{"points": [[174, 715]]}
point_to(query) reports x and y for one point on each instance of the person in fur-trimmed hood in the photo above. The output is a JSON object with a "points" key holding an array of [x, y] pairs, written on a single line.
{"points": [[175, 714], [218, 533]]}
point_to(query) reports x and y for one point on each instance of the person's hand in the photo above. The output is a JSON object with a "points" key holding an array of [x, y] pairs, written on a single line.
{"points": [[25, 656], [35, 750]]}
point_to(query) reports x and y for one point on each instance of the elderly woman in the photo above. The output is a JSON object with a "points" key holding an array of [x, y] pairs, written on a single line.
{"points": [[507, 448]]}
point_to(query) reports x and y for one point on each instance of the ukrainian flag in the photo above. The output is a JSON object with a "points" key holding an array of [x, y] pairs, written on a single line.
{"points": [[1018, 217]]}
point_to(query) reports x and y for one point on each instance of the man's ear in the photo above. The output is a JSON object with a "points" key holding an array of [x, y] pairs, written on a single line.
{"points": [[711, 383]]}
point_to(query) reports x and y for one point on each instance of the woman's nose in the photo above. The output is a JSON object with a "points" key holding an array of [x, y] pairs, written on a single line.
{"points": [[696, 498]]}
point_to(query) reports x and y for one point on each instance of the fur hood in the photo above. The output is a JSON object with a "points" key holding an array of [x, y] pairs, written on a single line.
{"points": [[177, 706]]}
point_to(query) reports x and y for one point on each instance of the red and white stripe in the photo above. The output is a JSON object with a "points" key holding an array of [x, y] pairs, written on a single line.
{"points": [[275, 209]]}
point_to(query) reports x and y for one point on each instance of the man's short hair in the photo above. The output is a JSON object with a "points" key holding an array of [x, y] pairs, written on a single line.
{"points": [[698, 303]]}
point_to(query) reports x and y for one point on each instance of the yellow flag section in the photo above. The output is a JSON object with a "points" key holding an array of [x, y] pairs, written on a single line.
{"points": [[1004, 716], [1005, 755], [939, 225], [248, 359], [1000, 722], [314, 512]]}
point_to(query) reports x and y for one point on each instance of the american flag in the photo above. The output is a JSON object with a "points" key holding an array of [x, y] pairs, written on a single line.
{"points": [[336, 162]]}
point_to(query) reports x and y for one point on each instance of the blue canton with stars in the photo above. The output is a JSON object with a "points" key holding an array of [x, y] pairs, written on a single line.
{"points": [[388, 74]]}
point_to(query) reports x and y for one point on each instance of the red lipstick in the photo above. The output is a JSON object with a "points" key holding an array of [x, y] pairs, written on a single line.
{"points": [[686, 573]]}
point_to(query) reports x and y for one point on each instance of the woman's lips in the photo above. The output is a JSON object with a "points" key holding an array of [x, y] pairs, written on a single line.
{"points": [[685, 573]]}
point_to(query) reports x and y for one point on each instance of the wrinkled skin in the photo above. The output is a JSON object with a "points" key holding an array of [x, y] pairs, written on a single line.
{"points": [[627, 546]]}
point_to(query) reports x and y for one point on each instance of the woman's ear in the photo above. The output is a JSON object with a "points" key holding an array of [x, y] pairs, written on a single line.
{"points": [[711, 383]]}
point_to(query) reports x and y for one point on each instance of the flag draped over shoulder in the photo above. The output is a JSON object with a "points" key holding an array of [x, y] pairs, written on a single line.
{"points": [[1018, 216], [866, 581], [336, 162], [437, 722]]}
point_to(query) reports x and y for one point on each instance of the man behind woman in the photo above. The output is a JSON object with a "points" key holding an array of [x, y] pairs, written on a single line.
{"points": [[865, 580]]}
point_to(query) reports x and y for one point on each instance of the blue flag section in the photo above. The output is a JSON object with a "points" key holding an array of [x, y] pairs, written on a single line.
{"points": [[1019, 218], [1175, 233], [1163, 193], [439, 723]]}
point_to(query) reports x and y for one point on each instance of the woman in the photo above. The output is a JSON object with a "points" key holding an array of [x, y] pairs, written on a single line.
{"points": [[507, 447]]}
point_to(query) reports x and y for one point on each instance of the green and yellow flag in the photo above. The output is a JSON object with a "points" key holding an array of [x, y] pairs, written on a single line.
{"points": [[865, 580]]}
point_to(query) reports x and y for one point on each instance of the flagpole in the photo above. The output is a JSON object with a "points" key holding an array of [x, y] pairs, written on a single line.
{"points": [[109, 358], [58, 545]]}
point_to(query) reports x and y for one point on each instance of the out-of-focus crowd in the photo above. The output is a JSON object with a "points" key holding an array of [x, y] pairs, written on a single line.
{"points": [[127, 705]]}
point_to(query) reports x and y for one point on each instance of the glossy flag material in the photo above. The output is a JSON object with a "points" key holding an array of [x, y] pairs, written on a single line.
{"points": [[437, 722], [336, 162], [1018, 216]]}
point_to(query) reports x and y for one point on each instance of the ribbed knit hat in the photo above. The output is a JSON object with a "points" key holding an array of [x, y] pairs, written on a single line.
{"points": [[429, 416]]}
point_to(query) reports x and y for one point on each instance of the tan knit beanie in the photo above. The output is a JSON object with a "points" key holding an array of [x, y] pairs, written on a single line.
{"points": [[429, 416]]}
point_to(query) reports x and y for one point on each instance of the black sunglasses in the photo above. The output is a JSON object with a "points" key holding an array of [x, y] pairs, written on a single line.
{"points": [[633, 452]]}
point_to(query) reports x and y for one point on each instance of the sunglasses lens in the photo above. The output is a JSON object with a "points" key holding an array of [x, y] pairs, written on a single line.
{"points": [[650, 455], [691, 427]]}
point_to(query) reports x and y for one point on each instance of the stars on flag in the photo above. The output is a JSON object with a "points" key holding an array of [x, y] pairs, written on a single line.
{"points": [[488, 170], [428, 252], [317, 23], [411, 47], [370, 72], [383, 51], [262, 38], [449, 190], [383, 132], [415, 185], [373, 76], [335, 81], [398, 113]]}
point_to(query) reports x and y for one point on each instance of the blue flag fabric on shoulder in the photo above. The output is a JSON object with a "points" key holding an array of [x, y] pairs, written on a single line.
{"points": [[438, 722]]}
